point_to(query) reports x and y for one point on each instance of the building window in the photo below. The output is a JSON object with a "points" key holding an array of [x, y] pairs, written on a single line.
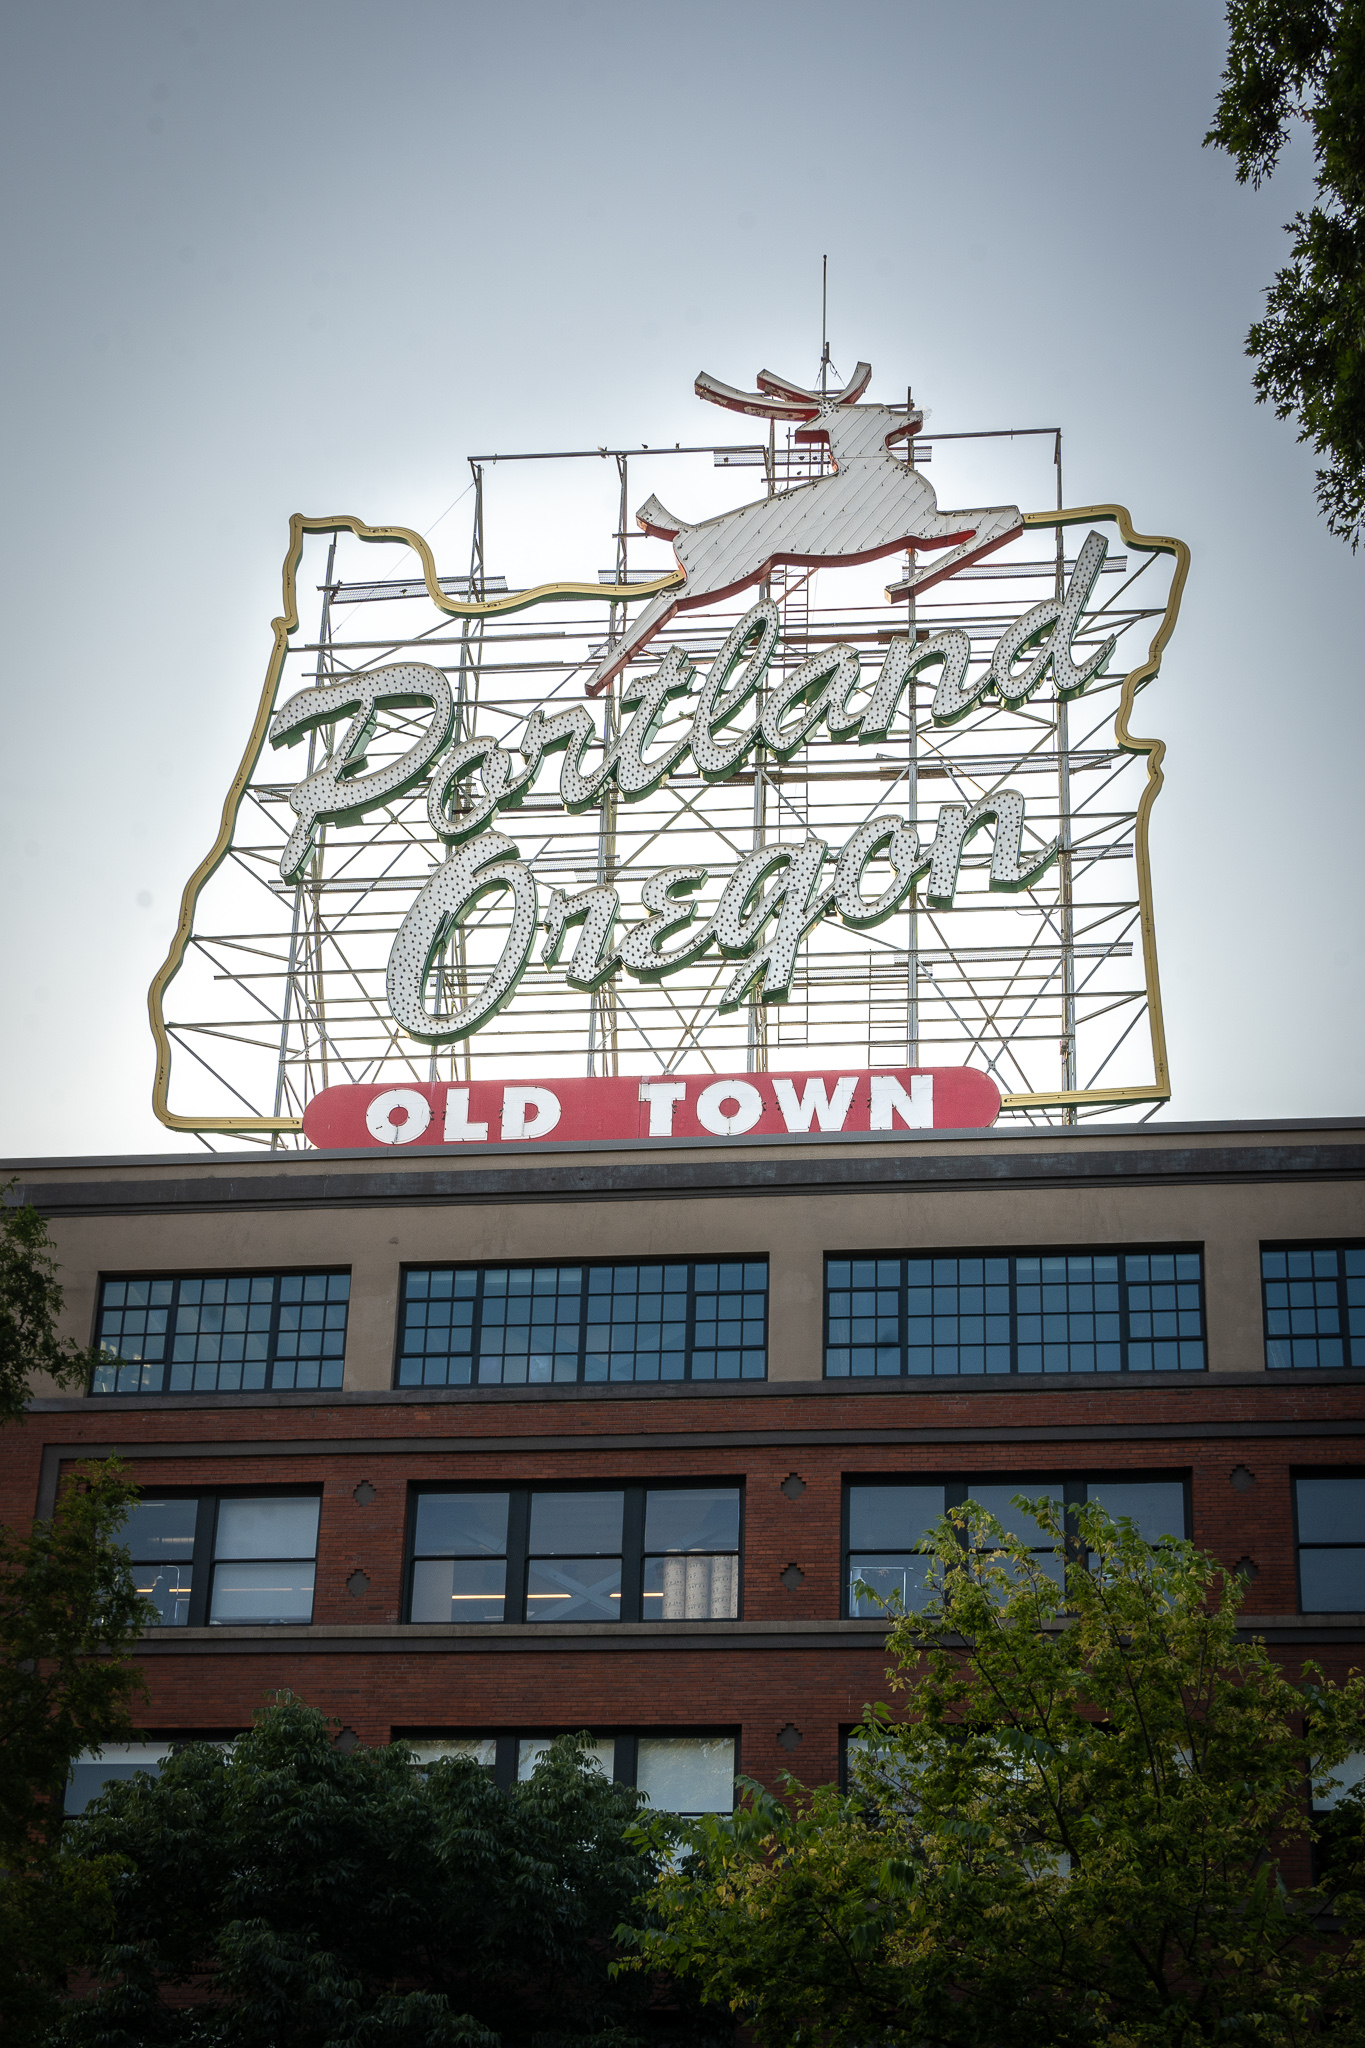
{"points": [[886, 1518], [632, 1553], [505, 1326], [1314, 1301], [159, 1537], [264, 1561], [689, 1775], [225, 1560], [115, 1763], [1330, 1511], [222, 1333], [1018, 1312]]}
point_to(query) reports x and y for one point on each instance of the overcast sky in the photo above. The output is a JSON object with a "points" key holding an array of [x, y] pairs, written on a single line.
{"points": [[284, 255]]}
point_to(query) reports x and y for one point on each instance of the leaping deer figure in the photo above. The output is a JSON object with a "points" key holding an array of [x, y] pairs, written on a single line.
{"points": [[873, 504]]}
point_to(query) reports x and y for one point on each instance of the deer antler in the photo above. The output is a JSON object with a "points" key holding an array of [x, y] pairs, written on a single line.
{"points": [[777, 398], [845, 394], [782, 387], [857, 384], [758, 403]]}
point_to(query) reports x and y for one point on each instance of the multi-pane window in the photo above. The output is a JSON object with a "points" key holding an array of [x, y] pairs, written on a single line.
{"points": [[536, 1325], [1314, 1298], [115, 1764], [222, 1333], [1014, 1313], [888, 1517], [264, 1554], [683, 1774], [159, 1537], [550, 1554], [1330, 1511], [221, 1560]]}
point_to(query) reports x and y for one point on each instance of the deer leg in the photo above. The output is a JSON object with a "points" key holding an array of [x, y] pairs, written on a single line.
{"points": [[638, 634], [990, 530]]}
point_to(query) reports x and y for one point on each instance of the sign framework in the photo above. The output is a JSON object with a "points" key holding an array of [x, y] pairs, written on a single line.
{"points": [[312, 989]]}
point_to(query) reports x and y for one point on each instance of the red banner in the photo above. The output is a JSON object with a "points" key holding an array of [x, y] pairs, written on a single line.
{"points": [[652, 1106]]}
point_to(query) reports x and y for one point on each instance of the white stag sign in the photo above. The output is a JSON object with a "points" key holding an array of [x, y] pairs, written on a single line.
{"points": [[874, 504]]}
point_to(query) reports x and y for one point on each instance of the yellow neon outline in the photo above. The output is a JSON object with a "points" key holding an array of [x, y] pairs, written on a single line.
{"points": [[1155, 750], [299, 525], [616, 593]]}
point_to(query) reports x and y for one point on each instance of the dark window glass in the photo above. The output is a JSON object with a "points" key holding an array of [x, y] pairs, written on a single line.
{"points": [[116, 1763], [582, 1554], [1331, 1519], [1155, 1507], [1072, 1312], [460, 1557], [159, 1538], [264, 1554], [685, 1774], [541, 1325], [884, 1525], [1313, 1299], [574, 1567], [887, 1518], [997, 1500], [691, 1565], [222, 1333]]}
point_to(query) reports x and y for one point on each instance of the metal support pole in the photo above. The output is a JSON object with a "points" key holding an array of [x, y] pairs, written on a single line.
{"points": [[324, 640], [912, 784], [1068, 933]]}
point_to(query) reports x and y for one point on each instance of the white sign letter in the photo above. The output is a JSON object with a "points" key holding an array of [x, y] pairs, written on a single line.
{"points": [[517, 1107], [458, 1128], [416, 1116], [711, 1114], [662, 1097], [889, 1101], [478, 870], [829, 1111]]}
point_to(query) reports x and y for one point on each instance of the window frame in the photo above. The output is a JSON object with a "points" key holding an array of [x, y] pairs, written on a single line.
{"points": [[1012, 1253], [176, 1276], [1296, 1473], [203, 1563], [1316, 1244], [627, 1740], [518, 1553], [480, 1267], [1072, 1487]]}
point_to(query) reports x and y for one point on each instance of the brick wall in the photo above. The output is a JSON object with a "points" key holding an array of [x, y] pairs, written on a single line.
{"points": [[753, 1676]]}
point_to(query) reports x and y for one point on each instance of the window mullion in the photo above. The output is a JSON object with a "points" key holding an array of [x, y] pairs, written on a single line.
{"points": [[518, 1545], [273, 1342], [903, 1324], [172, 1324], [582, 1324], [1014, 1312], [632, 1555], [201, 1571], [691, 1316]]}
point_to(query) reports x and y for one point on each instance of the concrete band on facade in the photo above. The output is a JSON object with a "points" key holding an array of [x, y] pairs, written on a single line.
{"points": [[788, 1662]]}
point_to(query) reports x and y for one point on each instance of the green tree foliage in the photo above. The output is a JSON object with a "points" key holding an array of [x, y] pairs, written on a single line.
{"points": [[30, 1303], [69, 1613], [1304, 60], [304, 1896], [1089, 1824]]}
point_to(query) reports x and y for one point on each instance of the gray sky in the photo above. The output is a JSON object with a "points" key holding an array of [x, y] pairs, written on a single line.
{"points": [[292, 256]]}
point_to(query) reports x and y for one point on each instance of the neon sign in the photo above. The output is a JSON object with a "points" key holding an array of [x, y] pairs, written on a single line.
{"points": [[774, 895], [601, 873]]}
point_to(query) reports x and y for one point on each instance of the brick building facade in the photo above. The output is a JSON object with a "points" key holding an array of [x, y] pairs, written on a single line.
{"points": [[858, 1330]]}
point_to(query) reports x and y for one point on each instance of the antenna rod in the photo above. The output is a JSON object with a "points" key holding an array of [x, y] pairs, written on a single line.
{"points": [[824, 324]]}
